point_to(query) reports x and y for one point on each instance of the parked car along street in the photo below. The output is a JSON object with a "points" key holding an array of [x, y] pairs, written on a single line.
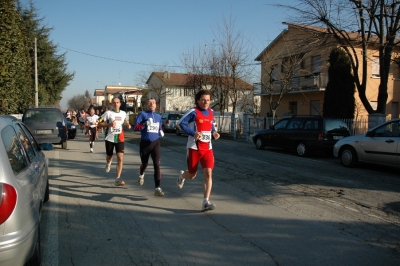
{"points": [[71, 129], [47, 125], [24, 186], [170, 119], [303, 134], [379, 145]]}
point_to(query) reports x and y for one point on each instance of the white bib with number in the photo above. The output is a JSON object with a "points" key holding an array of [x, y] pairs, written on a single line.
{"points": [[116, 130], [153, 127], [205, 136]]}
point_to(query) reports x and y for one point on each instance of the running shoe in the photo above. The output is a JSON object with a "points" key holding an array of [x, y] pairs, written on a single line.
{"points": [[180, 180], [91, 150], [208, 206], [158, 192], [108, 167], [141, 179], [119, 183]]}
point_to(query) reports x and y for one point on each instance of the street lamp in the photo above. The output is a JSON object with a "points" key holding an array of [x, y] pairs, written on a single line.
{"points": [[101, 82]]}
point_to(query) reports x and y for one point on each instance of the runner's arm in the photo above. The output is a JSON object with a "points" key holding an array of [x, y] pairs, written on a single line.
{"points": [[186, 119]]}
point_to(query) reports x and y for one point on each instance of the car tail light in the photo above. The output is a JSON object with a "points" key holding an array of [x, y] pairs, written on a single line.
{"points": [[167, 122], [8, 201], [320, 136], [65, 130]]}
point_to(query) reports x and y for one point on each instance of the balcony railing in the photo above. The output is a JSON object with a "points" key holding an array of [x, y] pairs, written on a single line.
{"points": [[300, 83]]}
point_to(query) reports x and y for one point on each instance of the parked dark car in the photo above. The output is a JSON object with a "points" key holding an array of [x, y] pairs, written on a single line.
{"points": [[169, 120], [47, 125], [380, 145], [303, 134], [24, 187], [71, 129]]}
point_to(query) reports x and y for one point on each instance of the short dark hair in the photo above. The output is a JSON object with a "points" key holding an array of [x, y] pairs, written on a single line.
{"points": [[201, 93]]}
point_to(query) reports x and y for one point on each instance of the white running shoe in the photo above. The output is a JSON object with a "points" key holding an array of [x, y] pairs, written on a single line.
{"points": [[158, 192], [108, 167], [208, 206], [91, 149], [180, 180], [141, 179]]}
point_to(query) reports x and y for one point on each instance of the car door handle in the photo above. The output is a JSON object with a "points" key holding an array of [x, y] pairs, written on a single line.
{"points": [[389, 141]]}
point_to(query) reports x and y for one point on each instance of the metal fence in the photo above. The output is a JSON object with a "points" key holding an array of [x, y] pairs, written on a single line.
{"points": [[255, 124]]}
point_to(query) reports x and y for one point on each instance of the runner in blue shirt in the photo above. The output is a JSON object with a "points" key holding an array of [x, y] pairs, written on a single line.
{"points": [[149, 124]]}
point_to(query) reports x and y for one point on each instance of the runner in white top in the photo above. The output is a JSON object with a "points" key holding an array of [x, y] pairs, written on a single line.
{"points": [[114, 120], [91, 122]]}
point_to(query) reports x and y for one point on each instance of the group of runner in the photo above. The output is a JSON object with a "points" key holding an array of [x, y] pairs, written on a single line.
{"points": [[196, 122]]}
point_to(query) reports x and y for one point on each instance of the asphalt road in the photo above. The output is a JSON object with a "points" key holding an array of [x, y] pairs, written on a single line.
{"points": [[273, 208]]}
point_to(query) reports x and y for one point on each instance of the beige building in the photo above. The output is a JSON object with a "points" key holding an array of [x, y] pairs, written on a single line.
{"points": [[132, 95], [297, 61], [175, 91], [99, 97]]}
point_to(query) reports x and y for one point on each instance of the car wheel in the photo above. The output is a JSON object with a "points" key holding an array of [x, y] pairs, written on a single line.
{"points": [[71, 136], [260, 145], [348, 156], [64, 145], [301, 149], [47, 192], [36, 258]]}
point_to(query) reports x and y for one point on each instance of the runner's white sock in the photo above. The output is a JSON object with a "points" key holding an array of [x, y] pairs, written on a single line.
{"points": [[205, 200]]}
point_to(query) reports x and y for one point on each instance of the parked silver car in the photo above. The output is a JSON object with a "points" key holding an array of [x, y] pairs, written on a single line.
{"points": [[379, 145], [24, 187], [169, 120]]}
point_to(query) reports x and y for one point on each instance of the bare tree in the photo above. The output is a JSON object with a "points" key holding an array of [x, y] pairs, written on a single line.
{"points": [[369, 24], [233, 56]]}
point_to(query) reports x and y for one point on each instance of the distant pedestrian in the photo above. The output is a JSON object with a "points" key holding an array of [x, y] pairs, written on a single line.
{"points": [[91, 121], [149, 124], [115, 120], [198, 124], [81, 120]]}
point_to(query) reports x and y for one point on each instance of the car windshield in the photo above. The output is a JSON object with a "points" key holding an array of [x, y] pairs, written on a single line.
{"points": [[42, 116], [335, 125], [174, 116]]}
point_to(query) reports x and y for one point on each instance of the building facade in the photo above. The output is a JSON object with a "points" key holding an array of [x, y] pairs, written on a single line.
{"points": [[295, 65]]}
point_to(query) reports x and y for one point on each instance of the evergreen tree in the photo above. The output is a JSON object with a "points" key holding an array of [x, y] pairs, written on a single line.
{"points": [[53, 76], [339, 99], [16, 85]]}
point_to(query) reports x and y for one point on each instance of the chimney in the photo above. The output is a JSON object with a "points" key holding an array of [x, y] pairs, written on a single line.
{"points": [[167, 75]]}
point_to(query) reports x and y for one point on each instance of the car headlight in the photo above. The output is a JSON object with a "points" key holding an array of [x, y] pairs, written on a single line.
{"points": [[72, 127]]}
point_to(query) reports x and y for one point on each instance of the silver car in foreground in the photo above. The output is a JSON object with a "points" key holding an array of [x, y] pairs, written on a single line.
{"points": [[24, 187], [379, 145]]}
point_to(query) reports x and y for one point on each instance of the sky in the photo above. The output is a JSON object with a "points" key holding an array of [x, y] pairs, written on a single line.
{"points": [[115, 42]]}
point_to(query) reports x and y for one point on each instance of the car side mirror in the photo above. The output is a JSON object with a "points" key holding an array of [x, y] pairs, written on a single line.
{"points": [[370, 134], [272, 127]]}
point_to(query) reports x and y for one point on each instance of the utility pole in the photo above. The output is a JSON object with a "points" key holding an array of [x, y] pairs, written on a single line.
{"points": [[36, 79]]}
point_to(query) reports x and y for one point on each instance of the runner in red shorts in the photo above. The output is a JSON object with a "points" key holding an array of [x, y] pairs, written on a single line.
{"points": [[198, 124]]}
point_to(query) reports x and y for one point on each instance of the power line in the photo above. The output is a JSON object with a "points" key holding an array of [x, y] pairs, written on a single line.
{"points": [[117, 60], [136, 63]]}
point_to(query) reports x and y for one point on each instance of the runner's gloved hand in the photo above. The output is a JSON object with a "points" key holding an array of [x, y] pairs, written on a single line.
{"points": [[161, 133], [148, 122]]}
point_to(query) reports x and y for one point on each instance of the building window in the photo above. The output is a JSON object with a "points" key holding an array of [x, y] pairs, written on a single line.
{"points": [[275, 73], [375, 67], [314, 108], [293, 108], [316, 64], [395, 110]]}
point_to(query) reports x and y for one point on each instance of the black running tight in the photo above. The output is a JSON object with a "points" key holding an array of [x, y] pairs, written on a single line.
{"points": [[153, 149]]}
